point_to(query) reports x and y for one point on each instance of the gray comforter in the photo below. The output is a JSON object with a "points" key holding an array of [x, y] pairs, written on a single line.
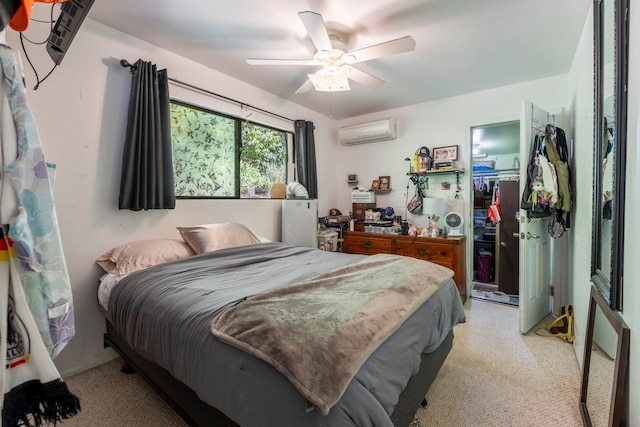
{"points": [[165, 312]]}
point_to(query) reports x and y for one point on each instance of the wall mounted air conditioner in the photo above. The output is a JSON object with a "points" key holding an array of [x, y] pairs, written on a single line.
{"points": [[380, 130], [363, 197]]}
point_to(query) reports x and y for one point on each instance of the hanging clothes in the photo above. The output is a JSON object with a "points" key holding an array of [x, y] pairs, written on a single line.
{"points": [[494, 211], [535, 198], [548, 193], [607, 177], [549, 179], [558, 154], [36, 307]]}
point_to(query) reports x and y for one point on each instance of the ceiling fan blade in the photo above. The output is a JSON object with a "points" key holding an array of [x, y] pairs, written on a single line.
{"points": [[365, 79], [392, 47], [314, 24], [306, 87], [257, 61]]}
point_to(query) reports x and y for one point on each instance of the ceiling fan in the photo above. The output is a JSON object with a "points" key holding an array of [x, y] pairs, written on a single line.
{"points": [[336, 60]]}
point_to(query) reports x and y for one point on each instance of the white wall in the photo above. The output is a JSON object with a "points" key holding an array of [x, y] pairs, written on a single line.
{"points": [[581, 106], [631, 290], [81, 112], [435, 124]]}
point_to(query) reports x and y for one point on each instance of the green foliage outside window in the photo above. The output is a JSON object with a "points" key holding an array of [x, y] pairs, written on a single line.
{"points": [[263, 160], [205, 149]]}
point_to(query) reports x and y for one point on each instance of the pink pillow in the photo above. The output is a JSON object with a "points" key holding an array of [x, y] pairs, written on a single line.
{"points": [[133, 256], [212, 237]]}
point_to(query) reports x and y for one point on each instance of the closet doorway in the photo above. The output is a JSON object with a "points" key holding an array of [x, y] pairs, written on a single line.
{"points": [[496, 207]]}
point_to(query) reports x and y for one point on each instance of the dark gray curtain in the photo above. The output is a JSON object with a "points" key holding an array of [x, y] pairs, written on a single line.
{"points": [[304, 146], [147, 165]]}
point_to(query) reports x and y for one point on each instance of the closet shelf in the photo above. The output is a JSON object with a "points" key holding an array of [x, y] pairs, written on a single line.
{"points": [[496, 172]]}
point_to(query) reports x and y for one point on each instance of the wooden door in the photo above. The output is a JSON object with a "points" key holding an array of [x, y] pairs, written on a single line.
{"points": [[507, 265]]}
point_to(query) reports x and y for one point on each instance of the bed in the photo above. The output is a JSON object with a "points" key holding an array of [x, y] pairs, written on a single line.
{"points": [[170, 322]]}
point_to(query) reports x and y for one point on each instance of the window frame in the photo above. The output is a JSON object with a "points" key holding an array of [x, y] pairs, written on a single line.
{"points": [[238, 143]]}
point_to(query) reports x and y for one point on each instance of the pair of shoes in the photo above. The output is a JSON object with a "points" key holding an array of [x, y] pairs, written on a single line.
{"points": [[562, 327]]}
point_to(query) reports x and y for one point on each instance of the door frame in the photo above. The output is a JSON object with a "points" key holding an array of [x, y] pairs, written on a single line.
{"points": [[469, 184], [561, 271]]}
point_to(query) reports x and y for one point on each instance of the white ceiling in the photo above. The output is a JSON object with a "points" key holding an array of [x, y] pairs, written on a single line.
{"points": [[462, 46]]}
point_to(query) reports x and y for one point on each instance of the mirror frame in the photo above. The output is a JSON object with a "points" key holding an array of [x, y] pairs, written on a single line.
{"points": [[619, 404], [610, 286]]}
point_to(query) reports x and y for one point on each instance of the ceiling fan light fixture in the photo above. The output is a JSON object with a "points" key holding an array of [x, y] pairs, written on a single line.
{"points": [[330, 58], [332, 53], [331, 79], [348, 58]]}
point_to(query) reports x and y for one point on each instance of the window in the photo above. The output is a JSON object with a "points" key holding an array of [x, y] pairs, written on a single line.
{"points": [[217, 156], [263, 160]]}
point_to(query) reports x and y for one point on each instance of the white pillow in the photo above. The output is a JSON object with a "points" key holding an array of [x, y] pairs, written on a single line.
{"points": [[212, 237], [133, 256]]}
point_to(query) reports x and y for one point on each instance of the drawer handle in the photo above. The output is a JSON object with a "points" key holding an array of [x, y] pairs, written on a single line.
{"points": [[367, 245], [422, 251]]}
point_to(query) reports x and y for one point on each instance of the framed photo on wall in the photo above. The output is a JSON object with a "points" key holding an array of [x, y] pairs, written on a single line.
{"points": [[385, 182], [445, 154], [375, 184]]}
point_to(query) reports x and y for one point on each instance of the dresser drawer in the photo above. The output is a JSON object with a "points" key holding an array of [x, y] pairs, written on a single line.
{"points": [[440, 254], [367, 245]]}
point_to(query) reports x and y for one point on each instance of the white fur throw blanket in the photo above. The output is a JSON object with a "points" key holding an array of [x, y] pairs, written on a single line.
{"points": [[319, 333]]}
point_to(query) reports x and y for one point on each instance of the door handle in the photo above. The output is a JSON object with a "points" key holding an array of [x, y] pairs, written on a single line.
{"points": [[528, 236], [503, 244]]}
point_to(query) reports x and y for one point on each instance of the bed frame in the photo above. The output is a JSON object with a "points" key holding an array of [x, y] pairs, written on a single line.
{"points": [[197, 413]]}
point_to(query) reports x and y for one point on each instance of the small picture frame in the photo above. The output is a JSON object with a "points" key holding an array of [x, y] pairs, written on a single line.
{"points": [[375, 185], [352, 177], [445, 154], [384, 183]]}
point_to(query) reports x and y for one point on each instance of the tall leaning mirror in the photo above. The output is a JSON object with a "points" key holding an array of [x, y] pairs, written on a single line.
{"points": [[605, 384], [610, 130]]}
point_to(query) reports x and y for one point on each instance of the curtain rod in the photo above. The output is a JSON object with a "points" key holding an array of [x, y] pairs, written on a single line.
{"points": [[124, 63]]}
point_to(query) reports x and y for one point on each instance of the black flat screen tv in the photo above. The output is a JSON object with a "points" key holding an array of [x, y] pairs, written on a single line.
{"points": [[72, 14]]}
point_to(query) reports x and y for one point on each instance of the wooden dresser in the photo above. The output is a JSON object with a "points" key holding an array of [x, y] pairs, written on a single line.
{"points": [[449, 252]]}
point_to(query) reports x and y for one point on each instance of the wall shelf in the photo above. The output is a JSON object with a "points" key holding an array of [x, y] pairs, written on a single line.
{"points": [[453, 171], [439, 172]]}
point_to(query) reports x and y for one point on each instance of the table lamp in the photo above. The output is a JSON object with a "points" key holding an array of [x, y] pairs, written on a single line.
{"points": [[434, 207]]}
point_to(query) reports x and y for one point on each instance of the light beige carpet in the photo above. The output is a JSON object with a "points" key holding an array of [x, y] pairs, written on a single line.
{"points": [[110, 398], [494, 376]]}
